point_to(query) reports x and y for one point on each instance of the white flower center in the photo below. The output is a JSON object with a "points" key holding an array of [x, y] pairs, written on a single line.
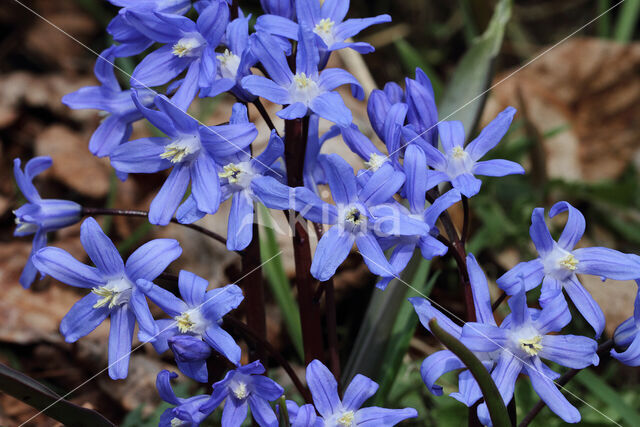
{"points": [[190, 321], [25, 227], [176, 422], [182, 149], [187, 46], [532, 345], [324, 29], [376, 161], [569, 262], [346, 420], [354, 216], [240, 390], [239, 173], [559, 263], [115, 292], [458, 152], [229, 63], [459, 162], [303, 89]]}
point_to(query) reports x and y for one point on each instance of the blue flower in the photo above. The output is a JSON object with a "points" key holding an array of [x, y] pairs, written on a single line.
{"points": [[191, 149], [459, 164], [558, 263], [283, 8], [325, 19], [303, 416], [415, 189], [361, 215], [199, 316], [132, 41], [520, 344], [234, 63], [114, 292], [188, 45], [628, 335], [441, 362], [246, 179], [242, 388], [116, 104], [313, 174], [187, 412], [305, 90], [39, 216], [336, 412]]}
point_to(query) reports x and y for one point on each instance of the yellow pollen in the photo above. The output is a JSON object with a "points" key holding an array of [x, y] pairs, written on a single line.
{"points": [[175, 153], [231, 172], [176, 422], [569, 262], [184, 323], [240, 391], [225, 57], [531, 346], [301, 80], [354, 216], [184, 47], [458, 152], [375, 162], [325, 26], [346, 420], [109, 296]]}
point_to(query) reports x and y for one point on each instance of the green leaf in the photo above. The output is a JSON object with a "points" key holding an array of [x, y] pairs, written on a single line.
{"points": [[278, 281], [627, 21], [34, 394], [490, 392], [464, 95], [601, 390]]}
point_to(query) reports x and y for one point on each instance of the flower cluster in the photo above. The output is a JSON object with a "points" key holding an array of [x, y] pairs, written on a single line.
{"points": [[388, 209]]}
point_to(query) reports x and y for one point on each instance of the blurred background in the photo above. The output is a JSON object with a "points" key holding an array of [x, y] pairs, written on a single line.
{"points": [[577, 133]]}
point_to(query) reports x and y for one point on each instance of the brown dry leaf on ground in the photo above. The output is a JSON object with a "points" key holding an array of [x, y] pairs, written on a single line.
{"points": [[73, 164], [592, 87]]}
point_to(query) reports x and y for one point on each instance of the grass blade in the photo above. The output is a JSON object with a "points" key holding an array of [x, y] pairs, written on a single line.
{"points": [[627, 21]]}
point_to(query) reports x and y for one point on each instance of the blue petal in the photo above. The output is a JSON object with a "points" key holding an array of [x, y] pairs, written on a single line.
{"points": [[374, 416], [399, 259], [272, 57], [431, 247], [352, 27], [163, 385], [504, 375], [159, 67], [140, 156], [83, 318], [189, 86], [434, 178], [227, 140], [480, 290], [426, 312], [307, 56], [123, 323], [549, 393], [631, 356], [451, 134], [554, 316], [152, 258], [377, 108], [274, 150], [112, 132], [262, 412], [571, 351], [585, 304], [188, 212], [330, 106], [335, 10], [311, 207], [60, 265], [305, 416], [393, 126], [212, 22], [157, 118], [574, 229], [159, 27], [341, 180], [539, 232], [220, 301], [491, 134], [196, 370], [332, 249], [332, 78], [607, 263], [531, 272], [358, 142], [272, 193], [296, 110], [24, 181], [266, 388], [483, 337], [192, 288], [148, 329], [223, 343], [382, 185], [468, 390], [435, 366], [183, 122], [240, 226], [518, 305], [359, 390], [164, 299], [237, 34], [441, 204], [422, 112], [205, 184], [234, 412], [101, 249], [267, 89], [467, 184], [415, 162], [277, 25], [308, 12], [170, 195], [497, 167], [324, 389], [373, 255], [168, 329]]}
